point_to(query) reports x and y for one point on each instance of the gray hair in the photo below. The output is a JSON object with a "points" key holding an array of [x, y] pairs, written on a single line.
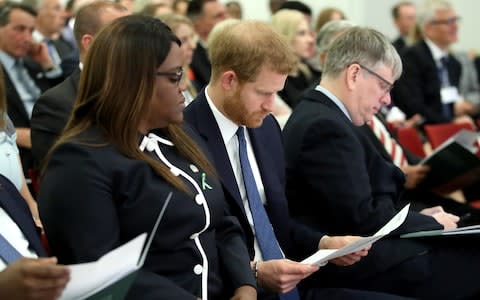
{"points": [[428, 10], [361, 45], [329, 31]]}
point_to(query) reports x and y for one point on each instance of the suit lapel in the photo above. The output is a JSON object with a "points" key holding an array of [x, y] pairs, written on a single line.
{"points": [[265, 164], [13, 96], [16, 208], [207, 127]]}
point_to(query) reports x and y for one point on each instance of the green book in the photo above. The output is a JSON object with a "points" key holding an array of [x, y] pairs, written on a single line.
{"points": [[110, 277], [454, 164], [474, 229]]}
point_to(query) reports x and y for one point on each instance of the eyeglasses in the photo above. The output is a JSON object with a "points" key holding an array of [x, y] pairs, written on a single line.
{"points": [[449, 21], [175, 77], [388, 86]]}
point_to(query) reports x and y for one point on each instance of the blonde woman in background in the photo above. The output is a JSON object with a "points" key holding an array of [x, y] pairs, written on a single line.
{"points": [[182, 27], [293, 25]]}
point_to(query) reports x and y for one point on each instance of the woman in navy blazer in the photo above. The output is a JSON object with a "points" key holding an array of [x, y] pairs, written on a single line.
{"points": [[123, 151]]}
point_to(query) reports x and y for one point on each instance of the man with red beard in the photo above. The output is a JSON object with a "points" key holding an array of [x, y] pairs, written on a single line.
{"points": [[250, 63]]}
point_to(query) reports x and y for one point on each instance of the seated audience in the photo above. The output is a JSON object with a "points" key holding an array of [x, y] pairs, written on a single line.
{"points": [[29, 277], [53, 108], [337, 180], [232, 116], [28, 71], [430, 81], [129, 150]]}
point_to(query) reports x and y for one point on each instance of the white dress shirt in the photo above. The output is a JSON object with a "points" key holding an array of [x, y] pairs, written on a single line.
{"points": [[228, 130]]}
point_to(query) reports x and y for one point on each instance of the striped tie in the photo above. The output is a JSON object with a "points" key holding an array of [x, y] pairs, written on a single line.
{"points": [[391, 146]]}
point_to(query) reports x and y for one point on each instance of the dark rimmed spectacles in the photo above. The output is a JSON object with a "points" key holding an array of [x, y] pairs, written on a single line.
{"points": [[388, 86], [449, 21], [175, 77]]}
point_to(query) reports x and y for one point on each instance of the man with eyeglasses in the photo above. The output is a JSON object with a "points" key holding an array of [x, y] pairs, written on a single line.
{"points": [[430, 81], [337, 180]]}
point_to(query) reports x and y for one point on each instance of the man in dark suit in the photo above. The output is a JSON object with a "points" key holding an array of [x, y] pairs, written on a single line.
{"points": [[429, 83], [337, 180], [204, 15], [404, 16], [245, 78], [53, 108], [49, 24], [25, 278], [28, 71]]}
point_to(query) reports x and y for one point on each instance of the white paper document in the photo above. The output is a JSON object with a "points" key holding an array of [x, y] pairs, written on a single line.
{"points": [[322, 256], [88, 278]]}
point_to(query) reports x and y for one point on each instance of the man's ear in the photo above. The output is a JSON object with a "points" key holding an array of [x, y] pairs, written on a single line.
{"points": [[352, 75], [229, 80], [87, 40]]}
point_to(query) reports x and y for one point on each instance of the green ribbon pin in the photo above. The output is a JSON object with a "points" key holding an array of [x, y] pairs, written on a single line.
{"points": [[205, 185]]}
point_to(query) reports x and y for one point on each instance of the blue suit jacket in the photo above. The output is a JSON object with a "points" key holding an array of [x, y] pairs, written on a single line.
{"points": [[297, 241], [16, 207]]}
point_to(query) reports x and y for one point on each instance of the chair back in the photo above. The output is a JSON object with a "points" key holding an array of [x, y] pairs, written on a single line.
{"points": [[410, 139], [439, 133]]}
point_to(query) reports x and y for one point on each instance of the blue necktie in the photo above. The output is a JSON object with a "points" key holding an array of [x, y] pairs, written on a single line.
{"points": [[263, 228], [445, 82], [7, 252], [52, 51]]}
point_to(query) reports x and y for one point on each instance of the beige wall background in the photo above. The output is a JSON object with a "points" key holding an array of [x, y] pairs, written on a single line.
{"points": [[376, 14]]}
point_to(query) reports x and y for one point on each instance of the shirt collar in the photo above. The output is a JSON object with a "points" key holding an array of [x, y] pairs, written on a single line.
{"points": [[7, 61], [437, 53], [228, 129], [334, 99]]}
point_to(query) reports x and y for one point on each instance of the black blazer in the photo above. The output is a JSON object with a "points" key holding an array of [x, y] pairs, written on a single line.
{"points": [[418, 89], [399, 44], [50, 115], [335, 177], [338, 182], [16, 207], [16, 109], [295, 239], [201, 67], [117, 198]]}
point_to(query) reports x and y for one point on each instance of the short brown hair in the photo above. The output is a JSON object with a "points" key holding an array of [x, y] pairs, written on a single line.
{"points": [[247, 46], [88, 19]]}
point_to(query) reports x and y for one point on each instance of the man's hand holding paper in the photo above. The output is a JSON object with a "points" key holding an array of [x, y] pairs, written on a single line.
{"points": [[337, 242]]}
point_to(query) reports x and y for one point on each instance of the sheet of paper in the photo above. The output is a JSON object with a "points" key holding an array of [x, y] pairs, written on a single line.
{"points": [[87, 278], [474, 229], [322, 256]]}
